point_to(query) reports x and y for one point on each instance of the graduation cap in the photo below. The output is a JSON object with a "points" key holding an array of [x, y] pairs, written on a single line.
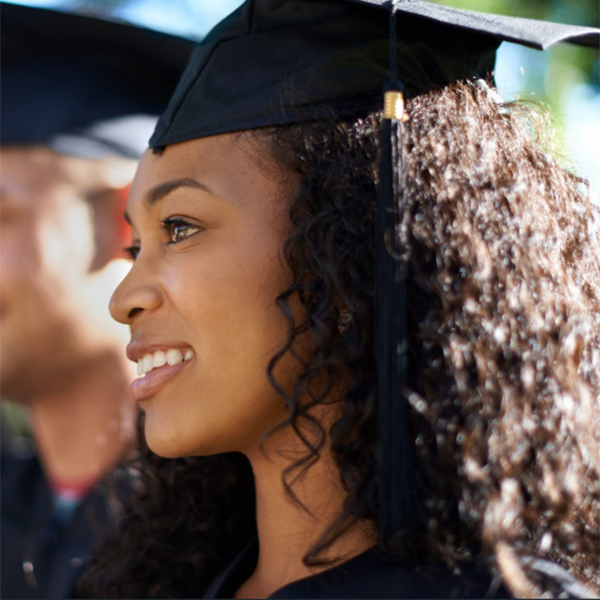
{"points": [[274, 62], [84, 86]]}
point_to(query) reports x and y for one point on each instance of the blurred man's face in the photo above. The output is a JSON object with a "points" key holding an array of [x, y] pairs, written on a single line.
{"points": [[49, 309]]}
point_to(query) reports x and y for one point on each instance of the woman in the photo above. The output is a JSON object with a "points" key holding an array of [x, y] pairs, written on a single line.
{"points": [[251, 305]]}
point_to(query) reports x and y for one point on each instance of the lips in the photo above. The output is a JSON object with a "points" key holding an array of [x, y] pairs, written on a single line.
{"points": [[157, 366], [147, 386]]}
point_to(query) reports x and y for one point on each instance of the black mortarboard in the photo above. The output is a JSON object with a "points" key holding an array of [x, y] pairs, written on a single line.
{"points": [[274, 62], [279, 61], [81, 85]]}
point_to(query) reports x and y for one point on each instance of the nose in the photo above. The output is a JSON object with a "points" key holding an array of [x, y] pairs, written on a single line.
{"points": [[136, 294]]}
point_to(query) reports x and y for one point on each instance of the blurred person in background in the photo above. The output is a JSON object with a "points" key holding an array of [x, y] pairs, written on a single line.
{"points": [[79, 100]]}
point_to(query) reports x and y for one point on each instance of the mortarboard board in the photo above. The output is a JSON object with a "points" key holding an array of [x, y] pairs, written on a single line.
{"points": [[281, 61], [84, 86], [275, 62]]}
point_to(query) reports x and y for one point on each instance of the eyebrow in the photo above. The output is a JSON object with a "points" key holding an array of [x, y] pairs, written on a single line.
{"points": [[160, 191]]}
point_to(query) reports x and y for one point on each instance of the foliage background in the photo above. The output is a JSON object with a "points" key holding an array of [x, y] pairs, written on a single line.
{"points": [[566, 78]]}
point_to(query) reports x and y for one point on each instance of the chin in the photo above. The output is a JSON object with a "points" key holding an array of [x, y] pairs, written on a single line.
{"points": [[170, 440], [163, 440], [174, 430], [166, 448]]}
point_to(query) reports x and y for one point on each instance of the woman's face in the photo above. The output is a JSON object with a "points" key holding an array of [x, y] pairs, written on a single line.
{"points": [[208, 225]]}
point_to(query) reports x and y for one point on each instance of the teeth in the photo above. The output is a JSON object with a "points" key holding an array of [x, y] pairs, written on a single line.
{"points": [[147, 363], [160, 358], [174, 356]]}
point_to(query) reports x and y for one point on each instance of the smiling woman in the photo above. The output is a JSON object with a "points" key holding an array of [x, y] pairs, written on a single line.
{"points": [[208, 226], [356, 410]]}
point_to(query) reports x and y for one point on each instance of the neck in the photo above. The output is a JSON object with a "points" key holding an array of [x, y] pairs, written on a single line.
{"points": [[83, 431], [287, 531]]}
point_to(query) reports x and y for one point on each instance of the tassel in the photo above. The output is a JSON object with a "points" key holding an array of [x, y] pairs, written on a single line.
{"points": [[395, 466], [395, 448]]}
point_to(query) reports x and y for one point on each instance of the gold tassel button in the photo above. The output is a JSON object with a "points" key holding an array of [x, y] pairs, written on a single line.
{"points": [[393, 106]]}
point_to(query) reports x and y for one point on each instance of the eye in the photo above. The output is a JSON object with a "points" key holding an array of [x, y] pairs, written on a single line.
{"points": [[132, 252], [178, 229]]}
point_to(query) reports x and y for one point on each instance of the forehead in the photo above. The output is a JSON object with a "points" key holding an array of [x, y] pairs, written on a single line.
{"points": [[229, 153], [234, 166]]}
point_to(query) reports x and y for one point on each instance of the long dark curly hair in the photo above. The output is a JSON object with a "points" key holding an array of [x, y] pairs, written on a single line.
{"points": [[503, 282]]}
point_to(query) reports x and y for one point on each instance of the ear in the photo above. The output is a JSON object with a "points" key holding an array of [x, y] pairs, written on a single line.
{"points": [[111, 231]]}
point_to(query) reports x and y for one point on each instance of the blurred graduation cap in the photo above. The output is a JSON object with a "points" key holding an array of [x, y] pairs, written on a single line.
{"points": [[81, 85], [274, 62]]}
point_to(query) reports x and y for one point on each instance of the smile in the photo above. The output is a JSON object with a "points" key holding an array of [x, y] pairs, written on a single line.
{"points": [[158, 359], [156, 369]]}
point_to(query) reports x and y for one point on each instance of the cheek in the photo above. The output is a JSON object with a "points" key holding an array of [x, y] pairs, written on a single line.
{"points": [[67, 241], [228, 291], [20, 251], [42, 278], [42, 253], [229, 307]]}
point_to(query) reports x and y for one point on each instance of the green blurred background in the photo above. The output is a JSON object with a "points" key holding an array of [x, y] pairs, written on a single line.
{"points": [[550, 74], [566, 78]]}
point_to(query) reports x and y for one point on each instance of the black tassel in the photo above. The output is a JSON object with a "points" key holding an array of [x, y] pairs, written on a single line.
{"points": [[395, 465], [395, 448]]}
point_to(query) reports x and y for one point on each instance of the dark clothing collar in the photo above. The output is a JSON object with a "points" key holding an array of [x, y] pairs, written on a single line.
{"points": [[368, 575]]}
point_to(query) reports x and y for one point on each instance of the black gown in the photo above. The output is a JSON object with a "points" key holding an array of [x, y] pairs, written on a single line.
{"points": [[368, 575], [56, 539]]}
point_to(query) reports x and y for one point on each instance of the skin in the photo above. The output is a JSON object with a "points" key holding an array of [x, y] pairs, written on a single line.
{"points": [[209, 283], [61, 356], [213, 291]]}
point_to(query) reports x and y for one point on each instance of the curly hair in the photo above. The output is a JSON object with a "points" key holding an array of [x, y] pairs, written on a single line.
{"points": [[503, 280]]}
